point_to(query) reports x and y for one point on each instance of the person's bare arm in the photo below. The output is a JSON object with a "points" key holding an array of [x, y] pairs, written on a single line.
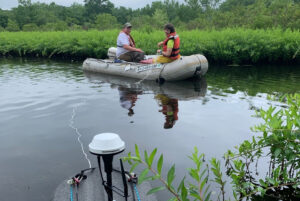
{"points": [[167, 53], [160, 44]]}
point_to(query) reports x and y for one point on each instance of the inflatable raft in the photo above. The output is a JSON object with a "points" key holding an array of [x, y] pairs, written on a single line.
{"points": [[181, 69]]}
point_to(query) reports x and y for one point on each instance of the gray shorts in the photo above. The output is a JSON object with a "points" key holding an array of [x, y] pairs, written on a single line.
{"points": [[132, 56]]}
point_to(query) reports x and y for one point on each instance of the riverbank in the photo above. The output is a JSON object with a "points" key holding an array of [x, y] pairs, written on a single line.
{"points": [[229, 46]]}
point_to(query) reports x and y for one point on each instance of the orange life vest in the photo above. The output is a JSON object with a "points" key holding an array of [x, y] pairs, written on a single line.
{"points": [[176, 49]]}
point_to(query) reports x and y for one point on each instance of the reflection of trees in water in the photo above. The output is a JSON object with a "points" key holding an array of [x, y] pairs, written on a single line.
{"points": [[254, 79]]}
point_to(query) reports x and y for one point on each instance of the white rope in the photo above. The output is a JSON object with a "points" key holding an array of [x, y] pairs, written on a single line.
{"points": [[71, 124], [148, 73], [139, 82]]}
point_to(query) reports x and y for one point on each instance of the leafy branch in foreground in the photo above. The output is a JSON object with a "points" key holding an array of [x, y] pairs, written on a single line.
{"points": [[198, 190], [278, 148]]}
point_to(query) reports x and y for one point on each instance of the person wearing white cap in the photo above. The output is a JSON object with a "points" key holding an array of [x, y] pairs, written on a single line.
{"points": [[126, 49]]}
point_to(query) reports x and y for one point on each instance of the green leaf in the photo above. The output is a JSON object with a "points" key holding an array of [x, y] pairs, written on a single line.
{"points": [[194, 174], [171, 175], [155, 177], [203, 172], [277, 152], [173, 199], [180, 185], [184, 192], [160, 164], [208, 196], [151, 157], [143, 175], [263, 183], [137, 152], [133, 167], [153, 190], [203, 183]]}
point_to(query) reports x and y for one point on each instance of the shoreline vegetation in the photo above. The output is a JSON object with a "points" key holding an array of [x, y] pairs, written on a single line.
{"points": [[228, 46], [230, 32]]}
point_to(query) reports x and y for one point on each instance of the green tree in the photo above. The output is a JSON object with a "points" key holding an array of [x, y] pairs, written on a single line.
{"points": [[230, 4], [160, 18], [76, 13], [122, 14], [12, 26], [106, 21], [44, 14], [3, 19], [55, 26], [95, 7], [30, 27], [141, 21], [24, 3]]}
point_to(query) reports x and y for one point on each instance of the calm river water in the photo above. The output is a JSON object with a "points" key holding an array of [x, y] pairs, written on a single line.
{"points": [[43, 101]]}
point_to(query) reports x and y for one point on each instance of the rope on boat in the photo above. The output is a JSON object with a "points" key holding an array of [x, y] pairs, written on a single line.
{"points": [[76, 180], [71, 193], [139, 82], [137, 192], [71, 124], [164, 65]]}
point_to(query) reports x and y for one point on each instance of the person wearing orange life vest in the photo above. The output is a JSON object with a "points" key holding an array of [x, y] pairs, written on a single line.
{"points": [[171, 46]]}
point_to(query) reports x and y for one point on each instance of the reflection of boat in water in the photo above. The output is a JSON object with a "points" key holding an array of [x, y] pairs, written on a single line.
{"points": [[167, 94], [181, 90]]}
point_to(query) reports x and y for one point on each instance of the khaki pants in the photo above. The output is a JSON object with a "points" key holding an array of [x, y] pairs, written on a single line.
{"points": [[163, 59], [132, 56]]}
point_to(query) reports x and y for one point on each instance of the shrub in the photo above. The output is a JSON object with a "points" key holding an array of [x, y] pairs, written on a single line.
{"points": [[30, 27]]}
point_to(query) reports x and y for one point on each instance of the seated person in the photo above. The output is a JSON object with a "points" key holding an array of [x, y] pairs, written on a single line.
{"points": [[171, 46], [126, 49]]}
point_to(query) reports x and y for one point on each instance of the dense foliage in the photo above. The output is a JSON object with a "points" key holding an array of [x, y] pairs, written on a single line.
{"points": [[238, 46], [192, 14]]}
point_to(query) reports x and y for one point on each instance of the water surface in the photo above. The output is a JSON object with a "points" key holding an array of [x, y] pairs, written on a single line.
{"points": [[42, 100]]}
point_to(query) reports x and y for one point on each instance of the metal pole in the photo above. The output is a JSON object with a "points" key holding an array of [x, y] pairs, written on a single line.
{"points": [[107, 159]]}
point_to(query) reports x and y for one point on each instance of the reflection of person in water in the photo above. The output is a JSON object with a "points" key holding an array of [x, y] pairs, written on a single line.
{"points": [[128, 98], [169, 109]]}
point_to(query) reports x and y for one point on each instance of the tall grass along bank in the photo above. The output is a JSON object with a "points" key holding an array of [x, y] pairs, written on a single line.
{"points": [[229, 46]]}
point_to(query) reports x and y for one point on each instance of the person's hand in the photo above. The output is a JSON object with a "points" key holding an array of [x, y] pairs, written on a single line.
{"points": [[139, 50], [160, 44], [159, 51]]}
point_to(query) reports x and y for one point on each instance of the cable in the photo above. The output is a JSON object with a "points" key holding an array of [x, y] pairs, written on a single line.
{"points": [[71, 193], [71, 124], [137, 193]]}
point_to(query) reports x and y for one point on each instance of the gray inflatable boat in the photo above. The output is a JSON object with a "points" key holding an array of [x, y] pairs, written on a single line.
{"points": [[180, 69]]}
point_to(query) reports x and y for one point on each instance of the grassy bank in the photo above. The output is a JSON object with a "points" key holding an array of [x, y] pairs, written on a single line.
{"points": [[230, 46]]}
